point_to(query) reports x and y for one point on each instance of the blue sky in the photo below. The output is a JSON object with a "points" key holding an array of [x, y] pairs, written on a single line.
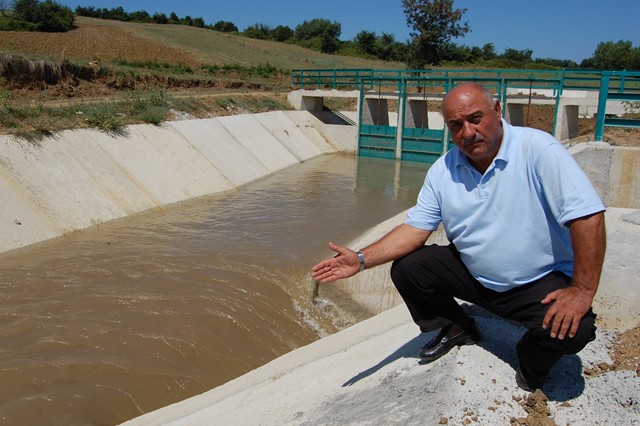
{"points": [[561, 29]]}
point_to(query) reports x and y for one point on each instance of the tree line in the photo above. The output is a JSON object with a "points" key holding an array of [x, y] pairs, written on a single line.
{"points": [[434, 24]]}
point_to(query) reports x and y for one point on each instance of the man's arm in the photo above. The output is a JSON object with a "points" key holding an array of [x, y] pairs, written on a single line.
{"points": [[400, 241], [588, 237]]}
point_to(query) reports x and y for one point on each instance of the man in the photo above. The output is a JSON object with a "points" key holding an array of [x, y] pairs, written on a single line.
{"points": [[526, 232]]}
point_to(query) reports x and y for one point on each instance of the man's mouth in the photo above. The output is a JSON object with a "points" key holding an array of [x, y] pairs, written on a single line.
{"points": [[472, 141]]}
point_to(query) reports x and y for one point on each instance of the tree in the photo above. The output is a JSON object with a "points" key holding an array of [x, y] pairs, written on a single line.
{"points": [[517, 55], [259, 31], [160, 18], [26, 10], [322, 31], [140, 16], [225, 27], [47, 16], [489, 51], [389, 49], [618, 55], [198, 22], [53, 17], [282, 33], [366, 42], [434, 24], [4, 5]]}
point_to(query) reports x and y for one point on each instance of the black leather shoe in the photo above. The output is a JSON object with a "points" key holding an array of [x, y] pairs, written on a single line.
{"points": [[441, 344], [528, 385]]}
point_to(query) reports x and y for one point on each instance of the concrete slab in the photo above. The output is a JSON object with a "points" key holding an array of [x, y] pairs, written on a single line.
{"points": [[613, 171], [633, 217], [164, 163], [306, 122], [224, 151], [618, 296], [289, 135], [126, 195], [58, 184], [248, 131], [22, 220]]}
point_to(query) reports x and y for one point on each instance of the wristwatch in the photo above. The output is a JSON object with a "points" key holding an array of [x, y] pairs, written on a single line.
{"points": [[361, 259]]}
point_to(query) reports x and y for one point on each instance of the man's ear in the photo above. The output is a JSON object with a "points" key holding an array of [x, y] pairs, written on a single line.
{"points": [[497, 109]]}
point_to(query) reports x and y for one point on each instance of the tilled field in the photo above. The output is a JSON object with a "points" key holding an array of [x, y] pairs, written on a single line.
{"points": [[96, 41]]}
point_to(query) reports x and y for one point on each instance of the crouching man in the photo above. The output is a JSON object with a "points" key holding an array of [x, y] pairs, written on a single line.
{"points": [[527, 240]]}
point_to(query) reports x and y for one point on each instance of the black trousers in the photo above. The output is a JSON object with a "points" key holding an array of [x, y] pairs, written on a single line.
{"points": [[429, 278]]}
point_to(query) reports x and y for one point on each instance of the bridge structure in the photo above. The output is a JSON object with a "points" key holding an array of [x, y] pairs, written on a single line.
{"points": [[398, 110]]}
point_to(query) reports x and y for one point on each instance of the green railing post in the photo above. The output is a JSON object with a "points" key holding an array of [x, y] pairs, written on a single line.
{"points": [[602, 104]]}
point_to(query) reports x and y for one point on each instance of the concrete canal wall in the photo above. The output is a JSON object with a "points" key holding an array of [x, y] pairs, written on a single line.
{"points": [[79, 178]]}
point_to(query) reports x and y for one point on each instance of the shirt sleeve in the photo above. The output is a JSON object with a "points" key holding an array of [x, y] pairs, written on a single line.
{"points": [[566, 187], [426, 214]]}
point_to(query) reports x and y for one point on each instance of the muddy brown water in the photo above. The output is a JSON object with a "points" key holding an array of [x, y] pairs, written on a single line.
{"points": [[103, 325]]}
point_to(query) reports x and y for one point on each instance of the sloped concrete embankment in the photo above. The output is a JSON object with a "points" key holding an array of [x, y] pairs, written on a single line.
{"points": [[79, 178]]}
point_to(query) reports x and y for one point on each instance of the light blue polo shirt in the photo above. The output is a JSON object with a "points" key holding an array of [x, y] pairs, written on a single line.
{"points": [[508, 224]]}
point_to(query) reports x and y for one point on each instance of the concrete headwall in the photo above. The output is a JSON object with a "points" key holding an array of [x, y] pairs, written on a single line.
{"points": [[613, 171], [79, 178]]}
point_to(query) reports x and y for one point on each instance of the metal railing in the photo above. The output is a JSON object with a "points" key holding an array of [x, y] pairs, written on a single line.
{"points": [[567, 78], [423, 144], [625, 93]]}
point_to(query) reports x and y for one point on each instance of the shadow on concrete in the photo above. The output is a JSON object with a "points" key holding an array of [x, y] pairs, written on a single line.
{"points": [[408, 350], [328, 116], [499, 337]]}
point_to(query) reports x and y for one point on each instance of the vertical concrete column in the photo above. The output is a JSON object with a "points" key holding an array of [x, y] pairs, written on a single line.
{"points": [[312, 103], [375, 111], [416, 116], [399, 129], [567, 122], [514, 114]]}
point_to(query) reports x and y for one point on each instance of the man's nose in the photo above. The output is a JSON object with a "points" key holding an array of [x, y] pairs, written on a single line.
{"points": [[468, 131]]}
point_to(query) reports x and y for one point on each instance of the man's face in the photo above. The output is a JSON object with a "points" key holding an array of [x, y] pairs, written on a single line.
{"points": [[474, 124]]}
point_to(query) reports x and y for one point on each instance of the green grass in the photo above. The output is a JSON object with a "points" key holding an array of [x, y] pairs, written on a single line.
{"points": [[229, 49], [152, 106]]}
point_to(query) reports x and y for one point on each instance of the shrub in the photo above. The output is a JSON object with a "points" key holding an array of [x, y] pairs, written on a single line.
{"points": [[48, 16], [106, 117]]}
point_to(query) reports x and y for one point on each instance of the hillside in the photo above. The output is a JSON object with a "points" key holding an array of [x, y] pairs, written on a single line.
{"points": [[107, 43], [110, 41], [108, 74]]}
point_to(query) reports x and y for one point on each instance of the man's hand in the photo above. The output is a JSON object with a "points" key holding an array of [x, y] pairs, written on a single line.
{"points": [[569, 306], [343, 265], [400, 241]]}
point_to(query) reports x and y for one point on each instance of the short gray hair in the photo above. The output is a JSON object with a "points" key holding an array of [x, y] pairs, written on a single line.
{"points": [[485, 92]]}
